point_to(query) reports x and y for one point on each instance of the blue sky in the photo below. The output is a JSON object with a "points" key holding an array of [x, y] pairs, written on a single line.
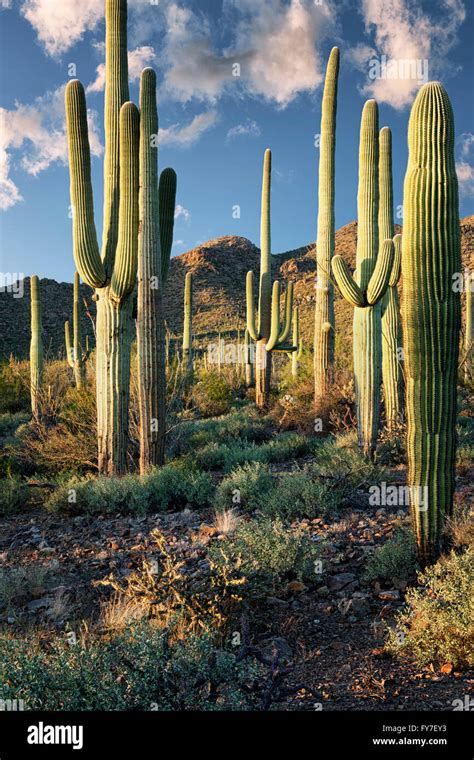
{"points": [[216, 126]]}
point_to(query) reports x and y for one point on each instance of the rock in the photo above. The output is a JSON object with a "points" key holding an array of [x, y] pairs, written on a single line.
{"points": [[295, 587], [40, 604], [389, 596], [277, 646], [340, 580], [447, 668], [357, 607], [277, 602], [323, 591]]}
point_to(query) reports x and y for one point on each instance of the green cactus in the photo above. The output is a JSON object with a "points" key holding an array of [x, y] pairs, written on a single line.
{"points": [[392, 375], [298, 342], [76, 356], [469, 331], [366, 289], [248, 358], [188, 323], [156, 209], [270, 334], [431, 314], [36, 349], [324, 312], [112, 273]]}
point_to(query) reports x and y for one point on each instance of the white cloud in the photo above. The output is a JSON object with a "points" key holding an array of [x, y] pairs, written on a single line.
{"points": [[39, 131], [401, 31], [267, 34], [189, 134], [59, 25], [5, 4], [249, 128], [181, 243], [465, 164], [181, 211], [138, 59]]}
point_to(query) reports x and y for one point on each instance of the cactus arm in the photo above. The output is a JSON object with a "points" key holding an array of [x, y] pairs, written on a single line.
{"points": [[285, 331], [385, 218], [397, 261], [265, 288], [77, 335], [275, 323], [167, 195], [251, 324], [85, 246], [346, 283], [378, 283], [188, 324], [69, 348], [368, 195], [126, 260], [279, 333], [36, 348]]}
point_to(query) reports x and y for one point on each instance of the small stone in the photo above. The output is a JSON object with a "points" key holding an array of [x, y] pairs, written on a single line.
{"points": [[389, 596]]}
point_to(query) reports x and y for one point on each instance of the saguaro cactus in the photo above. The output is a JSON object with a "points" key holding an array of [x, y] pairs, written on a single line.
{"points": [[188, 323], [298, 342], [324, 313], [36, 348], [153, 258], [76, 357], [469, 331], [113, 273], [392, 375], [366, 289], [269, 334], [431, 314], [248, 358]]}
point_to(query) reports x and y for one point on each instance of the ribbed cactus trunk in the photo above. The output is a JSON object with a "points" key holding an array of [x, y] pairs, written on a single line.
{"points": [[392, 375], [153, 261], [188, 323], [112, 274], [77, 358], [431, 314], [36, 349], [366, 289], [248, 358], [263, 360], [324, 313], [296, 355], [469, 331]]}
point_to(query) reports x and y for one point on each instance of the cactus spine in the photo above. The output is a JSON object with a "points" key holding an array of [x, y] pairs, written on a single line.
{"points": [[431, 314], [469, 331], [366, 289], [298, 342], [36, 348], [270, 334], [392, 376], [113, 273], [153, 261], [188, 323], [324, 313], [76, 357], [248, 358]]}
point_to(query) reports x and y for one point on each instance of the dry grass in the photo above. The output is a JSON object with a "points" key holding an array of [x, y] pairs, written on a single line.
{"points": [[226, 522]]}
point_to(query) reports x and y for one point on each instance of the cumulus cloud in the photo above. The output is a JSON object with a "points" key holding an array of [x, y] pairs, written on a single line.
{"points": [[190, 133], [249, 128], [59, 25], [181, 211], [465, 164], [138, 59], [401, 31], [39, 131]]}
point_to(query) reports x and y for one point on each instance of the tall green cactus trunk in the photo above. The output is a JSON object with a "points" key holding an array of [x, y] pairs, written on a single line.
{"points": [[112, 274], [36, 349], [392, 376], [76, 357], [367, 288], [297, 341], [431, 314], [188, 323], [324, 313], [248, 358], [469, 331]]}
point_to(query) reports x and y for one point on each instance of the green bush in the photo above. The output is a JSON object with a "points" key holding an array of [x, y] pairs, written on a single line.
{"points": [[10, 422], [137, 670], [437, 625], [395, 559], [14, 384], [212, 395], [249, 483], [239, 425], [169, 487], [226, 456], [13, 495], [299, 494]]}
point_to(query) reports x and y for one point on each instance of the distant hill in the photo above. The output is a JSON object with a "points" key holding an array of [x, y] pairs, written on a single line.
{"points": [[219, 268]]}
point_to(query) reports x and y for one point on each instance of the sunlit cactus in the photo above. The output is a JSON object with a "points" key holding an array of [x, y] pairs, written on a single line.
{"points": [[431, 314], [298, 342], [36, 349], [77, 355], [248, 359], [188, 323], [469, 330]]}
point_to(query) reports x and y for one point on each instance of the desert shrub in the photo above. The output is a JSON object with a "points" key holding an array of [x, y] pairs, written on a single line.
{"points": [[252, 481], [460, 527], [437, 625], [395, 559], [9, 422], [19, 584], [14, 387], [267, 552], [391, 447], [212, 394], [299, 494], [14, 494], [136, 670], [226, 456], [341, 462], [168, 487]]}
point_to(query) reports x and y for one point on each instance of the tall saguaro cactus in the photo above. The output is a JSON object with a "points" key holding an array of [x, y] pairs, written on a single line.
{"points": [[36, 348], [153, 259], [269, 333], [431, 314], [188, 323], [113, 272], [469, 331], [366, 289], [324, 313], [392, 376], [76, 356]]}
